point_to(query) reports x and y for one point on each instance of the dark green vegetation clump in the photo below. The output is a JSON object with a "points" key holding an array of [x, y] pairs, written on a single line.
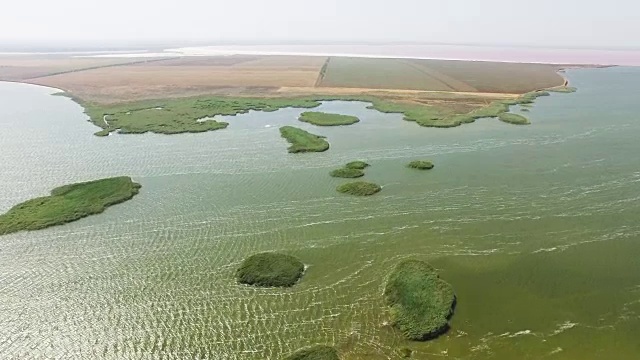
{"points": [[270, 270], [421, 303], [347, 173], [68, 203], [359, 188], [326, 119], [303, 141], [512, 118], [359, 165], [317, 352], [421, 165], [180, 115]]}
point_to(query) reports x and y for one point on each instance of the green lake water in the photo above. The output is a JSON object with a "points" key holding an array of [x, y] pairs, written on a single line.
{"points": [[536, 227]]}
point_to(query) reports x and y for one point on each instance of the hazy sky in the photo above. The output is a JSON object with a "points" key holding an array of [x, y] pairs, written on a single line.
{"points": [[576, 23]]}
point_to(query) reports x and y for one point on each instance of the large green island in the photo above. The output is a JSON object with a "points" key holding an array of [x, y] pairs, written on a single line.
{"points": [[68, 203], [303, 141], [196, 114], [421, 303]]}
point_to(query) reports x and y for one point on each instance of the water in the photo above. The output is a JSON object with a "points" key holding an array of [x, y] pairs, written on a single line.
{"points": [[535, 226]]}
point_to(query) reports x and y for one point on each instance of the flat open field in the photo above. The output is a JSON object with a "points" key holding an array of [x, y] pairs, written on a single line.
{"points": [[187, 77], [27, 67], [439, 75], [114, 80]]}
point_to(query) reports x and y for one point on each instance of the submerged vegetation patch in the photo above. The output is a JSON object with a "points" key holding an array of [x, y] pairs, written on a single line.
{"points": [[317, 352], [421, 165], [326, 119], [421, 303], [303, 141], [68, 203], [359, 188], [347, 173], [270, 270], [515, 119]]}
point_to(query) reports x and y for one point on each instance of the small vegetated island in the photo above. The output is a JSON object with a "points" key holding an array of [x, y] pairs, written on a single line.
{"points": [[317, 352], [354, 169], [303, 141], [421, 165], [326, 119], [359, 165], [359, 188], [270, 270], [515, 119], [68, 203], [421, 302]]}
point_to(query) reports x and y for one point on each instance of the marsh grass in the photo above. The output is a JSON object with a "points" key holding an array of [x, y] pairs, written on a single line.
{"points": [[515, 119], [326, 119], [303, 141], [68, 203], [180, 115], [359, 188], [563, 89], [358, 165], [317, 352], [347, 173], [270, 270], [421, 165], [421, 303]]}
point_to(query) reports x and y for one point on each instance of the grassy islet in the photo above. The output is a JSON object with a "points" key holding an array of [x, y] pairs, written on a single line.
{"points": [[68, 203], [326, 119], [270, 270], [303, 141], [359, 188], [421, 302]]}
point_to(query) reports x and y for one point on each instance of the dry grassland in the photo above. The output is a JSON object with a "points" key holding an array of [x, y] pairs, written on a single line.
{"points": [[439, 75], [188, 77]]}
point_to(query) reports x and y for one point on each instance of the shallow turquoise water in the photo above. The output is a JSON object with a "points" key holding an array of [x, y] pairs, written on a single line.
{"points": [[535, 226]]}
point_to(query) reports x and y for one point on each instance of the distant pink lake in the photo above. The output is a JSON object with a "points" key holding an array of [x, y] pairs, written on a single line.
{"points": [[627, 57]]}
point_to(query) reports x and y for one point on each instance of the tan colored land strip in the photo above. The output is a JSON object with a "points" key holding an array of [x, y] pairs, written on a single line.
{"points": [[352, 91], [454, 84], [22, 67], [114, 80]]}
